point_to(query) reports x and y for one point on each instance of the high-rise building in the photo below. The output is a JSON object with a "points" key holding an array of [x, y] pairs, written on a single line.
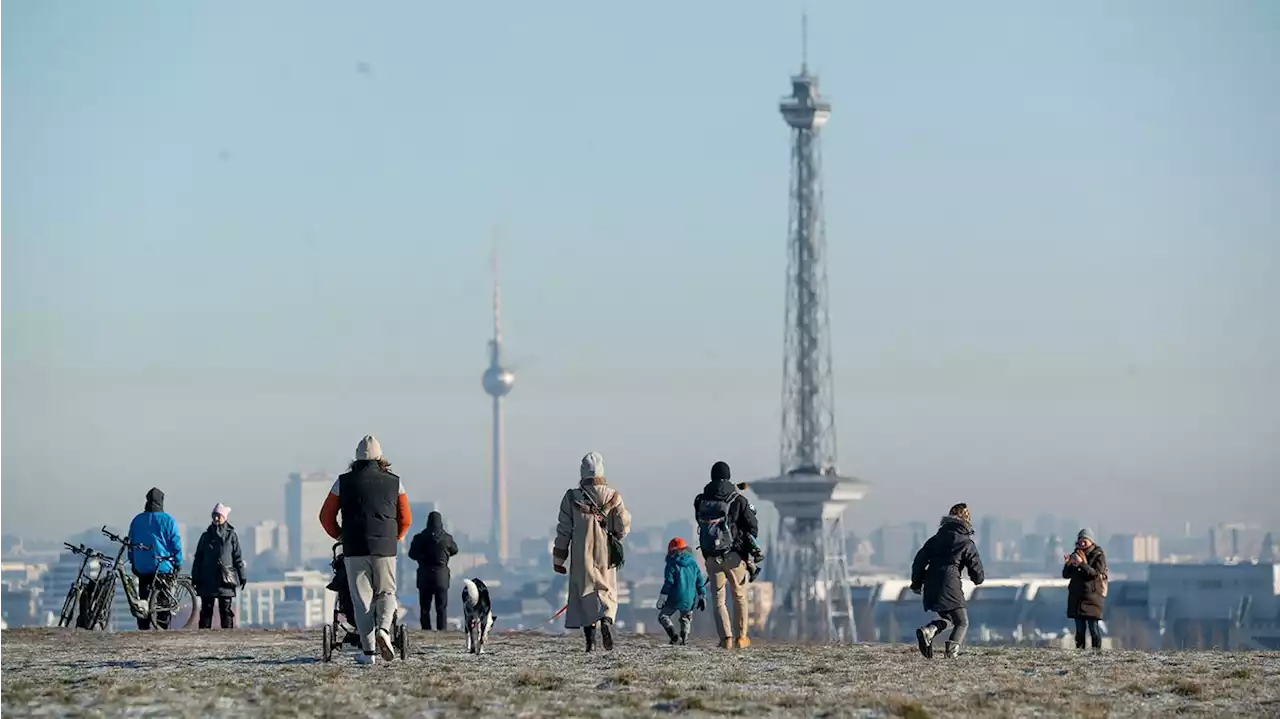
{"points": [[1235, 541], [896, 546], [262, 537], [1135, 548], [420, 510], [303, 497]]}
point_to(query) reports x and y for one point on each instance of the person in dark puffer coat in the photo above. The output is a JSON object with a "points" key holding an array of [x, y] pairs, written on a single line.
{"points": [[936, 572], [217, 569], [1086, 567], [431, 549]]}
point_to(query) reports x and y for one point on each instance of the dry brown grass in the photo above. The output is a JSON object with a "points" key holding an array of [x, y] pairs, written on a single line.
{"points": [[268, 674]]}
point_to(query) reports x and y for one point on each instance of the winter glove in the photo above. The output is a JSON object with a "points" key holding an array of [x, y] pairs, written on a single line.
{"points": [[916, 588], [662, 601], [560, 569], [702, 604]]}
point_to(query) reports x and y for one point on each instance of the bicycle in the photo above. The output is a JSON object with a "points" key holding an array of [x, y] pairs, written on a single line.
{"points": [[82, 583], [171, 593]]}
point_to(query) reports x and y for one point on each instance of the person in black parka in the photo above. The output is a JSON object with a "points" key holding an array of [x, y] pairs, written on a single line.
{"points": [[1086, 567], [218, 569], [936, 572], [431, 549]]}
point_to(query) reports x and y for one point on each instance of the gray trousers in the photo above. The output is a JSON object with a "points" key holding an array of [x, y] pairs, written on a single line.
{"points": [[372, 581], [685, 618]]}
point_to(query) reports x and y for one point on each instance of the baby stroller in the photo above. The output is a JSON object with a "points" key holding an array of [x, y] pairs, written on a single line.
{"points": [[343, 623]]}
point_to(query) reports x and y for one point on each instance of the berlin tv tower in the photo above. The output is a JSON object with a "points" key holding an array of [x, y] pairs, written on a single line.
{"points": [[497, 382]]}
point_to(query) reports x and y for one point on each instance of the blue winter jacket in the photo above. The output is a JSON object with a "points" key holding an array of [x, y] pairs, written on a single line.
{"points": [[683, 581], [158, 530]]}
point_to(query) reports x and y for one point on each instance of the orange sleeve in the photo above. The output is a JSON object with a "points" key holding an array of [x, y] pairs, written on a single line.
{"points": [[329, 516], [403, 516]]}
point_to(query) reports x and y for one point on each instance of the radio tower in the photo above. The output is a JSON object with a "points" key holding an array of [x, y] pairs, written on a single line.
{"points": [[498, 381], [812, 597]]}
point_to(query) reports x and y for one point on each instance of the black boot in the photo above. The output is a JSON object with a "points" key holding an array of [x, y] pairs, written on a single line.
{"points": [[671, 634], [606, 633], [590, 634], [684, 637]]}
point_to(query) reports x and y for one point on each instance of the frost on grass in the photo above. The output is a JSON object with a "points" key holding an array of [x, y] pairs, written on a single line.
{"points": [[276, 673]]}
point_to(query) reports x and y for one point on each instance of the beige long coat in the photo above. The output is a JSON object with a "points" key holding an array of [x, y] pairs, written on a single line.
{"points": [[593, 586]]}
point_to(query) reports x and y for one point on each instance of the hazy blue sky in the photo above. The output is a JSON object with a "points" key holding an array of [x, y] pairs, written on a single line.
{"points": [[229, 252]]}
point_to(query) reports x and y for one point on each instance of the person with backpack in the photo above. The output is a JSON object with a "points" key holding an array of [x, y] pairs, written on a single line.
{"points": [[590, 528], [727, 526], [158, 531], [936, 573], [1086, 567], [217, 569], [683, 589], [431, 549]]}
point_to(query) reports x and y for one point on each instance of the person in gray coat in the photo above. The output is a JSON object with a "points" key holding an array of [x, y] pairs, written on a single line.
{"points": [[218, 569]]}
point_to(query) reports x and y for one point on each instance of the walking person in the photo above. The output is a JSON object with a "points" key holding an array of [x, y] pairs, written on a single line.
{"points": [[158, 530], [936, 572], [683, 589], [1086, 567], [727, 528], [589, 515], [431, 549], [218, 569], [375, 517]]}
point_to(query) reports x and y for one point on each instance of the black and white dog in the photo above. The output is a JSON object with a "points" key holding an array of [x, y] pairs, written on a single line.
{"points": [[477, 617]]}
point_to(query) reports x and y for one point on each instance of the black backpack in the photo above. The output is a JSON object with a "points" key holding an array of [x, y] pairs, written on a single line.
{"points": [[715, 533]]}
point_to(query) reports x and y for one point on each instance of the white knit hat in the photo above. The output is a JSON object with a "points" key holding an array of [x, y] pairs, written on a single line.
{"points": [[592, 466], [222, 510], [369, 448]]}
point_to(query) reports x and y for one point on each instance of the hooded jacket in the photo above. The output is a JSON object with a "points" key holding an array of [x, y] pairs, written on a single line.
{"points": [[683, 581], [431, 549], [939, 562], [158, 530], [742, 518], [218, 547], [1084, 594]]}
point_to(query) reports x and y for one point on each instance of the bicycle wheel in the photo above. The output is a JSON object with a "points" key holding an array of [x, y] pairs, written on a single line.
{"points": [[69, 606], [178, 600], [100, 608]]}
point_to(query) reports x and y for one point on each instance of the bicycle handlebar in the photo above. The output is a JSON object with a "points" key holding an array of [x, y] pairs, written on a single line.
{"points": [[124, 540], [87, 551]]}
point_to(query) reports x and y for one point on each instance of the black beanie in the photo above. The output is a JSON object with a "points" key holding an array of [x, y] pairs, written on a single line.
{"points": [[719, 470]]}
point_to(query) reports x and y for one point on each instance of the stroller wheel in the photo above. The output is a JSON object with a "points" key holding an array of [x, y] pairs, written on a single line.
{"points": [[327, 637]]}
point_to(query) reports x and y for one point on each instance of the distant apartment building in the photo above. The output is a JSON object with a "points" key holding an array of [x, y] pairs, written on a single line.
{"points": [[303, 497], [896, 545], [1133, 548], [299, 600], [1235, 541], [1221, 606], [268, 536]]}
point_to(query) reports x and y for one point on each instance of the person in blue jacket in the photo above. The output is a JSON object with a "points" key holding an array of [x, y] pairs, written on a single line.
{"points": [[683, 588], [158, 530]]}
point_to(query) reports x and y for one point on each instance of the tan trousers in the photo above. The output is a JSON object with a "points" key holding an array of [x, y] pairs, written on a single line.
{"points": [[728, 570], [372, 581]]}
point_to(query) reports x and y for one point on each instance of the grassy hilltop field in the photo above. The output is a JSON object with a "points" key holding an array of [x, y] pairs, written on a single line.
{"points": [[279, 673]]}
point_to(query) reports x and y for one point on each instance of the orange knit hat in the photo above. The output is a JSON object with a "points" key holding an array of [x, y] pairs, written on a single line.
{"points": [[677, 543]]}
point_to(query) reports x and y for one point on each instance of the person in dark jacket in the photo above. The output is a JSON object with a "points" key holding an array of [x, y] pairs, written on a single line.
{"points": [[1087, 569], [936, 572], [218, 569], [727, 527], [375, 517], [158, 530], [431, 549]]}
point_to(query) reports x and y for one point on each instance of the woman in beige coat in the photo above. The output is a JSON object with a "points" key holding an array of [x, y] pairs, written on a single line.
{"points": [[587, 512]]}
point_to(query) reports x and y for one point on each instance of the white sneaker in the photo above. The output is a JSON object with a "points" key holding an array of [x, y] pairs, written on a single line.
{"points": [[384, 645], [366, 659]]}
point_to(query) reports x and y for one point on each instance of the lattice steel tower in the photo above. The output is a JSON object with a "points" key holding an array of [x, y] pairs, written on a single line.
{"points": [[812, 597], [498, 381]]}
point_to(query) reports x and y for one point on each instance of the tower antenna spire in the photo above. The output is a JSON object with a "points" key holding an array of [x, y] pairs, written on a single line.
{"points": [[804, 43], [497, 290]]}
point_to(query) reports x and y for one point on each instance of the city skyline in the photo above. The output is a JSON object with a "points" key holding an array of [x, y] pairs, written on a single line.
{"points": [[1053, 233]]}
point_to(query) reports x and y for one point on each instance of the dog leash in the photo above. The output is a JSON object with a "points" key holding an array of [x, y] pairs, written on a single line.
{"points": [[549, 620]]}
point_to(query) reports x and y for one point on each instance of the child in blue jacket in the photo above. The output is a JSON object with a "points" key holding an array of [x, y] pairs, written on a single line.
{"points": [[683, 589]]}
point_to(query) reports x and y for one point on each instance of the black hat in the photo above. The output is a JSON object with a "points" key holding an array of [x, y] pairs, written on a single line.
{"points": [[719, 470]]}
